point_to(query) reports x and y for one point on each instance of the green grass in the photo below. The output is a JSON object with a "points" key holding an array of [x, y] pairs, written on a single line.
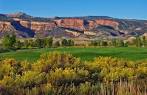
{"points": [[129, 53]]}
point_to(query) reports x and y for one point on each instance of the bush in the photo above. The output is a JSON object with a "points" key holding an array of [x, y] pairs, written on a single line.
{"points": [[59, 73], [2, 50]]}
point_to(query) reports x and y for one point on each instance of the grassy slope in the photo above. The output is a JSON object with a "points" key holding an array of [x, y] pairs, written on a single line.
{"points": [[84, 53]]}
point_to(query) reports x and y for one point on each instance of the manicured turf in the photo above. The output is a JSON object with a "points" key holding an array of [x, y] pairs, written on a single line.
{"points": [[90, 53]]}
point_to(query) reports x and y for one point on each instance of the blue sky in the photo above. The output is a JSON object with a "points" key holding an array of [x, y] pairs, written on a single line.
{"points": [[133, 9]]}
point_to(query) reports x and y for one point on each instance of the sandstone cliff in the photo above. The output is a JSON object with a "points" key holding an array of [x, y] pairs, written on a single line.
{"points": [[71, 23], [28, 26], [38, 26], [6, 26], [104, 22]]}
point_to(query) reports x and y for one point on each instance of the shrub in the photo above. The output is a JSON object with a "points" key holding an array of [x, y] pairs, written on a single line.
{"points": [[59, 73]]}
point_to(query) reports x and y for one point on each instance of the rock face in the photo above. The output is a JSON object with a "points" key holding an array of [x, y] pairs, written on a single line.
{"points": [[28, 26], [71, 23], [6, 26], [38, 26], [42, 26], [104, 22], [81, 24], [111, 23]]}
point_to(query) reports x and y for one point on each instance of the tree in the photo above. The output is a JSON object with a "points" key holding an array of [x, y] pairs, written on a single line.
{"points": [[38, 43], [144, 41], [120, 43], [114, 42], [64, 42], [70, 42], [49, 42], [18, 44], [31, 43], [94, 43], [26, 43], [125, 44], [104, 43], [9, 41], [138, 42]]}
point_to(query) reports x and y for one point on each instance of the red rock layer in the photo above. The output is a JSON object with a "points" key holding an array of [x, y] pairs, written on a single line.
{"points": [[71, 23], [111, 23], [38, 26], [6, 26]]}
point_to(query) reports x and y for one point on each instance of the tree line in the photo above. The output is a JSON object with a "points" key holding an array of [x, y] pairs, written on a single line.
{"points": [[11, 42], [139, 41]]}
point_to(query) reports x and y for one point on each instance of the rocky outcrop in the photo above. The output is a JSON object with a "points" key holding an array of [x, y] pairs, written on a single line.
{"points": [[73, 23], [26, 31], [42, 26], [38, 26], [91, 24], [28, 26], [6, 26], [81, 24], [104, 22], [14, 27], [111, 23]]}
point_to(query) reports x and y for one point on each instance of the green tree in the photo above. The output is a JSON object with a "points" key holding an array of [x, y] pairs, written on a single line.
{"points": [[144, 41], [31, 43], [104, 43], [26, 43], [70, 42], [114, 42], [18, 44], [38, 43], [64, 42], [138, 42], [94, 43], [120, 43], [49, 42], [125, 44], [9, 41]]}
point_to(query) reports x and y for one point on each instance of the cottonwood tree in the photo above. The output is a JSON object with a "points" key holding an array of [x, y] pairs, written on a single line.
{"points": [[49, 42], [64, 42], [9, 41]]}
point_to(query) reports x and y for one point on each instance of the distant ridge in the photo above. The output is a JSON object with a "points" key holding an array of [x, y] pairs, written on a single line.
{"points": [[19, 15], [90, 27]]}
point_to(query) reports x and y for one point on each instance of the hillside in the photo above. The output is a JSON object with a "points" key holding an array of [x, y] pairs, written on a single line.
{"points": [[91, 27]]}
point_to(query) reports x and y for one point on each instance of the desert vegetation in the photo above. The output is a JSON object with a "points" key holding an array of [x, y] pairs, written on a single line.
{"points": [[58, 73]]}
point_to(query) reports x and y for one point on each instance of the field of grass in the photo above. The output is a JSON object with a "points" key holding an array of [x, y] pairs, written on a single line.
{"points": [[129, 53]]}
